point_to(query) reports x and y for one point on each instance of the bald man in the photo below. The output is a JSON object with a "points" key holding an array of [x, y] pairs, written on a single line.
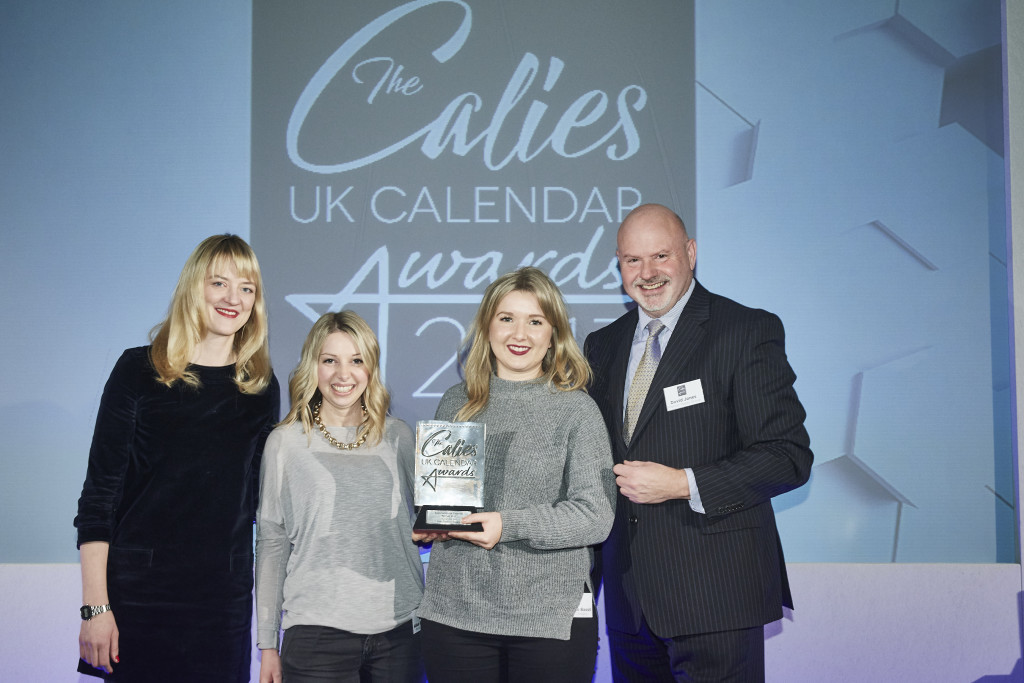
{"points": [[706, 428]]}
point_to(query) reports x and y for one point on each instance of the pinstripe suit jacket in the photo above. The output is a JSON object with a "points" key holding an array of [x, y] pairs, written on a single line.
{"points": [[685, 572]]}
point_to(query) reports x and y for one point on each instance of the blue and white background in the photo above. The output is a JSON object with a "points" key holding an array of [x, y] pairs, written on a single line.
{"points": [[839, 163]]}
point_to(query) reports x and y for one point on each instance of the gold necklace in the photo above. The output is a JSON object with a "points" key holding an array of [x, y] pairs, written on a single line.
{"points": [[327, 435]]}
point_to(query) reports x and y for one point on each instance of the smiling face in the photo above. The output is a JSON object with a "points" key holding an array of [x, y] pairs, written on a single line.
{"points": [[228, 300], [341, 377], [520, 336], [656, 258]]}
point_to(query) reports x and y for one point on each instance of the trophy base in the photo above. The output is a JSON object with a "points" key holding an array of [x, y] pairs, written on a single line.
{"points": [[444, 518]]}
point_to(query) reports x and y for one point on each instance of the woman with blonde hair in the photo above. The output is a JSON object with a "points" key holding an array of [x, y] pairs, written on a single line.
{"points": [[165, 516], [333, 547], [513, 602]]}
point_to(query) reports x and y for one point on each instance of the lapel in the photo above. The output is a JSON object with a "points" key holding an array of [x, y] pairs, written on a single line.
{"points": [[617, 373], [686, 337]]}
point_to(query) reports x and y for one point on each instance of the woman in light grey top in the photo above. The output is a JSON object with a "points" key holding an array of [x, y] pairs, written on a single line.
{"points": [[333, 548], [514, 601]]}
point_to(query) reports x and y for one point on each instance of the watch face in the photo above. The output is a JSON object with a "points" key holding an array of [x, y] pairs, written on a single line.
{"points": [[86, 612]]}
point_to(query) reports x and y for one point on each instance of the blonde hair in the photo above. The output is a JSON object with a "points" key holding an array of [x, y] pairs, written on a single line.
{"points": [[564, 366], [303, 385], [174, 341]]}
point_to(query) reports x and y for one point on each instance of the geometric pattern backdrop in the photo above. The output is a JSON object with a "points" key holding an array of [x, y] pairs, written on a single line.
{"points": [[857, 148]]}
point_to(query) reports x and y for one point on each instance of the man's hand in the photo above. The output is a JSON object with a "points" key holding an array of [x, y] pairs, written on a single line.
{"points": [[650, 482]]}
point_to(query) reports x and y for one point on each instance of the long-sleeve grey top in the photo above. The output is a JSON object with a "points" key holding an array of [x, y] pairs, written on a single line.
{"points": [[334, 533], [548, 471]]}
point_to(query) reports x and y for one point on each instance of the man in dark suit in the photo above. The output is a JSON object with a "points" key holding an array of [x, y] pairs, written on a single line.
{"points": [[706, 428]]}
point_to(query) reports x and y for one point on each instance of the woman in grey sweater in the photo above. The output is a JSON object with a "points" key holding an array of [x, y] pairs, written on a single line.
{"points": [[333, 547], [514, 601]]}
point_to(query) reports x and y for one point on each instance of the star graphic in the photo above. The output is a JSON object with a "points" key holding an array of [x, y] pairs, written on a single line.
{"points": [[430, 479]]}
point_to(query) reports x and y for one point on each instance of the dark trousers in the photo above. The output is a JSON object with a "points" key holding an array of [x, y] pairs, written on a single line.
{"points": [[726, 656], [452, 655], [320, 653]]}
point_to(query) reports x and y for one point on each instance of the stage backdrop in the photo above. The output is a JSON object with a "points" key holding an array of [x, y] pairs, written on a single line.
{"points": [[849, 176]]}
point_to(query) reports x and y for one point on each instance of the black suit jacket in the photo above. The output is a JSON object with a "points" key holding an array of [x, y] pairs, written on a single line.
{"points": [[687, 572]]}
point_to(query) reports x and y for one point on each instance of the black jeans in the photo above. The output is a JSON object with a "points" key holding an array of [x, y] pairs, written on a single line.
{"points": [[452, 655], [320, 653]]}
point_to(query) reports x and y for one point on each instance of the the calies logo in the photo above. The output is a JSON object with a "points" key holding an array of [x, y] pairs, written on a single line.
{"points": [[445, 458], [608, 124]]}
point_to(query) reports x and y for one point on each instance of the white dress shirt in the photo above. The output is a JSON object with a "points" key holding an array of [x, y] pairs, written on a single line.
{"points": [[636, 351]]}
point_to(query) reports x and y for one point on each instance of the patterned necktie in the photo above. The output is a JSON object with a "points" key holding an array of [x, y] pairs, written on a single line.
{"points": [[642, 377]]}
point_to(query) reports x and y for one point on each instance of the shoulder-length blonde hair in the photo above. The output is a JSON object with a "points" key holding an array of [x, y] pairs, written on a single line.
{"points": [[564, 366], [303, 385], [175, 339]]}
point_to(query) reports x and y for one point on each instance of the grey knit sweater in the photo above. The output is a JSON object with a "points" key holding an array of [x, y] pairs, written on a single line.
{"points": [[334, 533], [548, 471]]}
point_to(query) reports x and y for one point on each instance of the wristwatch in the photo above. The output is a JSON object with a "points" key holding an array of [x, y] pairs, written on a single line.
{"points": [[90, 611]]}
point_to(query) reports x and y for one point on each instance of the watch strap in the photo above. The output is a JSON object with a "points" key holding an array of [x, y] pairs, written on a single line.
{"points": [[90, 611]]}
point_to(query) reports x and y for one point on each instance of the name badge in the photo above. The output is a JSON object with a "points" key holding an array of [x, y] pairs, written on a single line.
{"points": [[683, 395], [586, 607]]}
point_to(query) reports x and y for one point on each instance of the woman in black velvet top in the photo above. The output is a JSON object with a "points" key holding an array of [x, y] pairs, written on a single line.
{"points": [[165, 517]]}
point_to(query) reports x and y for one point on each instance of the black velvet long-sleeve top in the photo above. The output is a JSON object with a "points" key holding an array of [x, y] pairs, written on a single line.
{"points": [[175, 470]]}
